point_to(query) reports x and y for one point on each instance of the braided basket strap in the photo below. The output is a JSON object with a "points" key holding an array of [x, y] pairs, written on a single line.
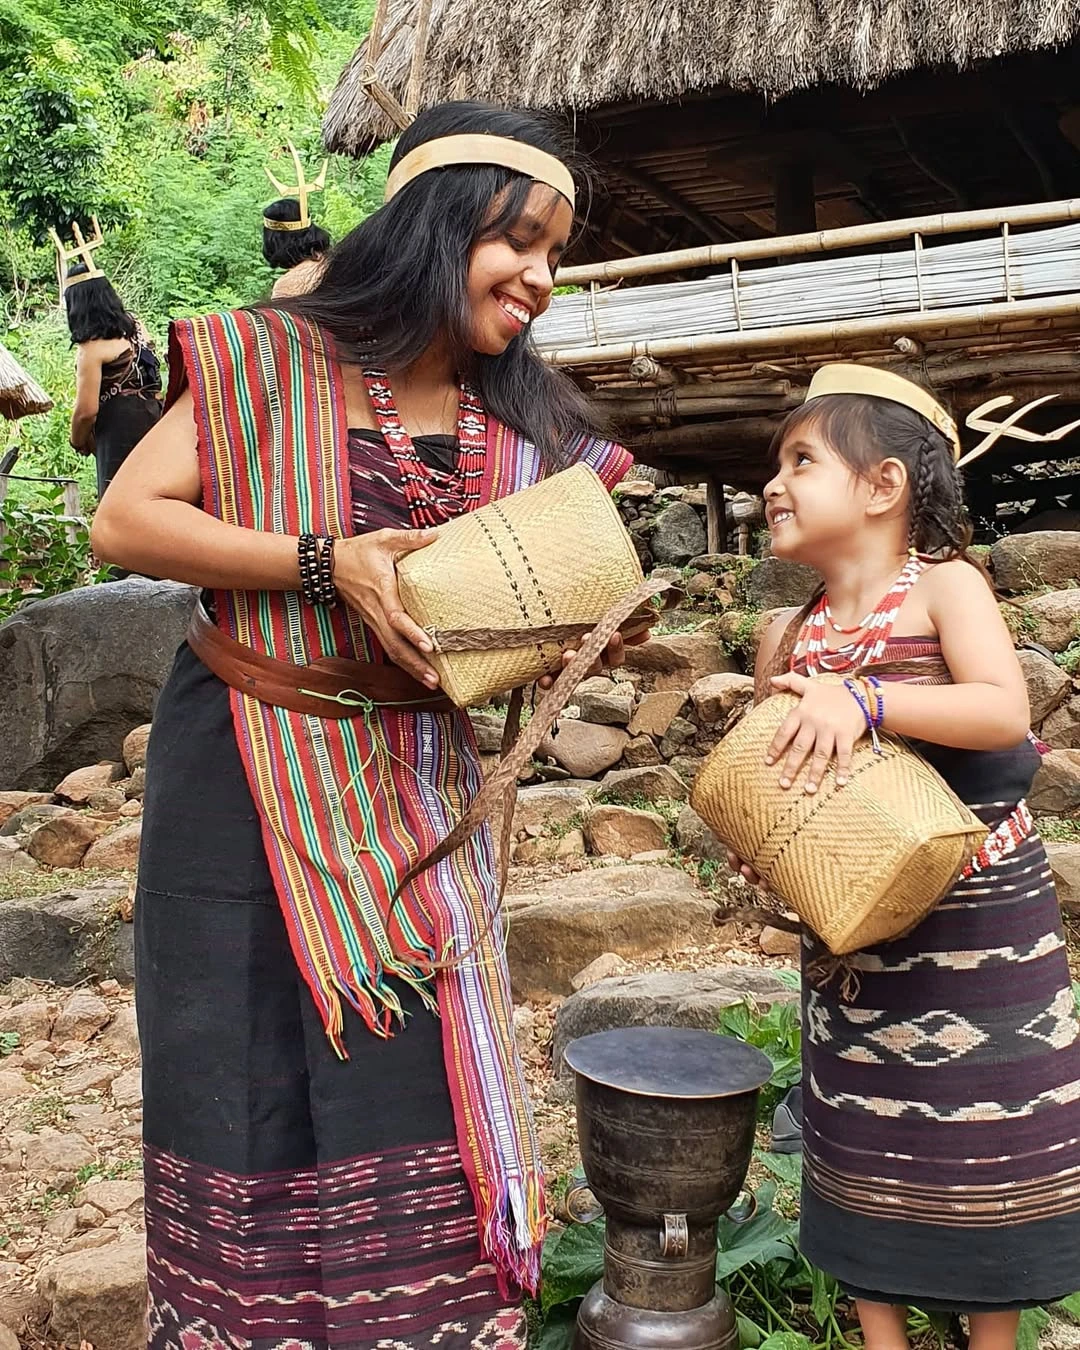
{"points": [[518, 748]]}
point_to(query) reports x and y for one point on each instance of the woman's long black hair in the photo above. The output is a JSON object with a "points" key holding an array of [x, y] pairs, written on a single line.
{"points": [[94, 310], [286, 248], [398, 281]]}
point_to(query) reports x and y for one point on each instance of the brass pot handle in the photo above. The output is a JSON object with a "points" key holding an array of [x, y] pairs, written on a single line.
{"points": [[743, 1207], [674, 1237], [578, 1204]]}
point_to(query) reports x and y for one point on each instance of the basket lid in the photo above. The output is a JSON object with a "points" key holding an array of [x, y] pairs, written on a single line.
{"points": [[669, 1062]]}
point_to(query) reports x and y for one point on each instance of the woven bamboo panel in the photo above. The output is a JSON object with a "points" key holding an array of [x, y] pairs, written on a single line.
{"points": [[554, 553], [860, 864]]}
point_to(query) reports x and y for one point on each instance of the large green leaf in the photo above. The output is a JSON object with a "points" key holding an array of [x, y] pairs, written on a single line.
{"points": [[786, 1166], [573, 1261], [1071, 1306], [557, 1331], [1032, 1323], [786, 1340]]}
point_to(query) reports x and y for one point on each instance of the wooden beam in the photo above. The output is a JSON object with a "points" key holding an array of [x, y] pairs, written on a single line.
{"points": [[936, 175], [714, 230], [796, 204], [715, 522]]}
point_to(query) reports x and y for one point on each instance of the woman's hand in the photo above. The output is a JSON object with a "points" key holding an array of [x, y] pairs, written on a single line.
{"points": [[614, 655], [366, 579], [743, 869], [824, 726]]}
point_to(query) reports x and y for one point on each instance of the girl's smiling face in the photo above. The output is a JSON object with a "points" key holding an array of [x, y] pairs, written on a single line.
{"points": [[511, 276], [815, 501]]}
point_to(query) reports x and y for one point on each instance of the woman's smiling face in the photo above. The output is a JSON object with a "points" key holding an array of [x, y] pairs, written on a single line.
{"points": [[511, 276]]}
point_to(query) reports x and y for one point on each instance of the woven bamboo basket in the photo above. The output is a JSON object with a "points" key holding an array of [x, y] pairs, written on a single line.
{"points": [[860, 864], [498, 585]]}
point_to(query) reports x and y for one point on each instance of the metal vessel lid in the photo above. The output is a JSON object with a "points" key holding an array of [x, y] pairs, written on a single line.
{"points": [[669, 1062]]}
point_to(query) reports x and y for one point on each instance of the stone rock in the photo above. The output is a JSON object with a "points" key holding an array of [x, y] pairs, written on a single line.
{"points": [[654, 783], [717, 696], [623, 831], [109, 800], [489, 732], [88, 1217], [135, 743], [31, 1020], [585, 749], [606, 965], [640, 753], [700, 585], [82, 1017], [112, 1197], [656, 712], [1047, 684], [1056, 618], [1065, 864], [1061, 730], [680, 733], [93, 1077], [78, 787], [80, 670], [633, 911], [524, 1023], [13, 1084], [37, 1056], [679, 660], [49, 1151], [777, 584], [683, 998], [687, 767], [132, 808], [636, 490], [1024, 562], [549, 848], [1056, 790], [715, 562], [116, 851], [609, 710], [10, 802], [13, 859], [693, 836], [22, 822], [121, 1036], [86, 1242], [777, 942], [679, 535], [64, 840], [8, 1339], [127, 1089], [100, 1298], [67, 937], [63, 1225], [136, 784]]}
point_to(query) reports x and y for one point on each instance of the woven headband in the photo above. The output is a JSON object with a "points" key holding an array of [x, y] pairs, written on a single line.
{"points": [[480, 148], [300, 192], [82, 251], [843, 378]]}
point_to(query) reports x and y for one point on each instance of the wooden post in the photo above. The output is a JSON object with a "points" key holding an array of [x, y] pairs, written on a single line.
{"points": [[796, 204], [715, 522], [72, 508], [4, 480]]}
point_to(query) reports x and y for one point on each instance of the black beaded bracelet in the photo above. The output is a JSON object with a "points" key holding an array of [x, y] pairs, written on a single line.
{"points": [[315, 554]]}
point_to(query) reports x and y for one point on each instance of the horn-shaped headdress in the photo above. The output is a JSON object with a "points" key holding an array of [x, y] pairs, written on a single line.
{"points": [[82, 251], [300, 192]]}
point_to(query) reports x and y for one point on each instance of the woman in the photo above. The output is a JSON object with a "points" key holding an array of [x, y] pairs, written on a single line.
{"points": [[293, 245], [117, 376], [294, 1197]]}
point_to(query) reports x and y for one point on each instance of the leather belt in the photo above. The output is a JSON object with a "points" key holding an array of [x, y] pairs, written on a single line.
{"points": [[312, 688]]}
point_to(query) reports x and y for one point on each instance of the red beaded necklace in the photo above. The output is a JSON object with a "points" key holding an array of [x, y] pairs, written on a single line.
{"points": [[812, 649]]}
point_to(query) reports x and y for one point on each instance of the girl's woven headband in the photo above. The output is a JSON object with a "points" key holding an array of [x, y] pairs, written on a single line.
{"points": [[300, 192], [846, 378], [479, 148]]}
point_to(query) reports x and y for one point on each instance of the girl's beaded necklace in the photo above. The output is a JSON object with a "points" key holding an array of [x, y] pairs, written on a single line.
{"points": [[812, 649]]}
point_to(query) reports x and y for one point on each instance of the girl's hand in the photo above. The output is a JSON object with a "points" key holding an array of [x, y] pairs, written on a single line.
{"points": [[366, 579], [825, 725], [615, 655]]}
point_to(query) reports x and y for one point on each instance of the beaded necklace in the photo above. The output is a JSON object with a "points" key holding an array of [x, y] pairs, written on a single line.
{"points": [[433, 498], [812, 649]]}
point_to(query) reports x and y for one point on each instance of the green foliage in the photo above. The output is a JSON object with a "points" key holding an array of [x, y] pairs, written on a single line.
{"points": [[740, 643], [43, 551], [9, 1042], [777, 1033]]}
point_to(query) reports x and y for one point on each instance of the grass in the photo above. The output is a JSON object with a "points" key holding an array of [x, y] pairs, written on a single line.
{"points": [[50, 1109], [24, 885], [1059, 830], [741, 644]]}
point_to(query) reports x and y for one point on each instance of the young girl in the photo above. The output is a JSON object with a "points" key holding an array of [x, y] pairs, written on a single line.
{"points": [[941, 1128]]}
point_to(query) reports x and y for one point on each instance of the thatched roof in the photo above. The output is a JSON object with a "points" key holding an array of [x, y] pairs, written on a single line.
{"points": [[578, 54], [19, 394]]}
